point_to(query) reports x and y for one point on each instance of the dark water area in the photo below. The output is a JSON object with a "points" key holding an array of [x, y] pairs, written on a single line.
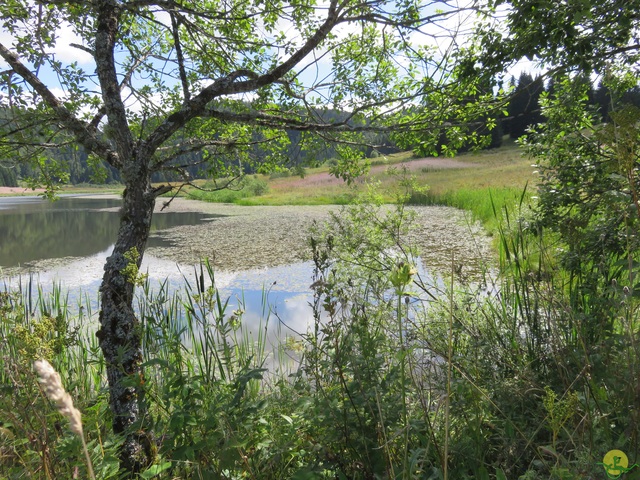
{"points": [[33, 229]]}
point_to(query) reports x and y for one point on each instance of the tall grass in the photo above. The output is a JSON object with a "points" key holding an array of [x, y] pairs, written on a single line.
{"points": [[197, 356], [482, 202], [395, 378], [36, 325]]}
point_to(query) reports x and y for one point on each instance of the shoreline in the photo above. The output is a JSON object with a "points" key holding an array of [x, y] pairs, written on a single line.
{"points": [[238, 238]]}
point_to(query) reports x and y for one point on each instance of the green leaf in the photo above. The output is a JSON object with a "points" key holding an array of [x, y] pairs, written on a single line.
{"points": [[482, 474], [155, 470], [306, 473], [287, 418]]}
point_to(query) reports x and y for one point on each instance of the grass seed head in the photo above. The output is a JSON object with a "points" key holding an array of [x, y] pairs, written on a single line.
{"points": [[52, 385]]}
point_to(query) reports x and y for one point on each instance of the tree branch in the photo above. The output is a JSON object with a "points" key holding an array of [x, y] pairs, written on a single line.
{"points": [[228, 85], [175, 28], [102, 111], [79, 129], [106, 33], [195, 145], [282, 122]]}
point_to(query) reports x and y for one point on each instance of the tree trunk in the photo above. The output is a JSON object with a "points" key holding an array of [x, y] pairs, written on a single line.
{"points": [[120, 329]]}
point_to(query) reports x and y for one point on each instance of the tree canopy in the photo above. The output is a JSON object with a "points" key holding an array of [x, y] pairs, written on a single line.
{"points": [[586, 149], [573, 35], [212, 77]]}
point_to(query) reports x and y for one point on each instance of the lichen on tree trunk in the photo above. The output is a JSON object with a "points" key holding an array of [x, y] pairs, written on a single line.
{"points": [[120, 329]]}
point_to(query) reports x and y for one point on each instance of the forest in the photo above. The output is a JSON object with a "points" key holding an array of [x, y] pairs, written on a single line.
{"points": [[523, 111]]}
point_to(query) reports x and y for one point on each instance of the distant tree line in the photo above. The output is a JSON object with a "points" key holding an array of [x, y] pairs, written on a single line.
{"points": [[8, 177], [522, 112], [303, 149], [524, 107]]}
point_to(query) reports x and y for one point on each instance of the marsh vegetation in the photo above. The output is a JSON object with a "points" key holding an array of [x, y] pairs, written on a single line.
{"points": [[397, 376]]}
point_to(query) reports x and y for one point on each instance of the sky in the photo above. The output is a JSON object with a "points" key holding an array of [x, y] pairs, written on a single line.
{"points": [[437, 37]]}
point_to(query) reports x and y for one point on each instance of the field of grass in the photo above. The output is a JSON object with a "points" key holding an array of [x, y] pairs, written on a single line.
{"points": [[497, 169], [495, 178], [503, 167]]}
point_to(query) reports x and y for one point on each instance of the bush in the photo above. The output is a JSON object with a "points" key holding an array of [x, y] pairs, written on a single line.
{"points": [[285, 173]]}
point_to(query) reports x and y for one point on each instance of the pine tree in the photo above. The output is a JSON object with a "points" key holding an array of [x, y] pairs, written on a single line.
{"points": [[524, 107]]}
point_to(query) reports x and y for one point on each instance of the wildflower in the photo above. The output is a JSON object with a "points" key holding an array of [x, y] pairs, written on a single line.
{"points": [[402, 274]]}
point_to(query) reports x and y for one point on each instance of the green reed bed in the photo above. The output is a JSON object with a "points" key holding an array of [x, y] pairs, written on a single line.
{"points": [[486, 204], [34, 325], [198, 358]]}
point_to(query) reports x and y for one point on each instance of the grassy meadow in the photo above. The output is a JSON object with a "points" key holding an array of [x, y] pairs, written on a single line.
{"points": [[489, 179]]}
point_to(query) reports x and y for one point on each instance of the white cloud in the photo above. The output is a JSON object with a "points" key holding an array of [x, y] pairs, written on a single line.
{"points": [[7, 40], [63, 50]]}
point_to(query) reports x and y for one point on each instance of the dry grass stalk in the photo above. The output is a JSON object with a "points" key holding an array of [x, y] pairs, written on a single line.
{"points": [[52, 384]]}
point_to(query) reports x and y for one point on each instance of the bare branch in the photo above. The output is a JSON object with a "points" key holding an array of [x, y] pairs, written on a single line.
{"points": [[83, 48]]}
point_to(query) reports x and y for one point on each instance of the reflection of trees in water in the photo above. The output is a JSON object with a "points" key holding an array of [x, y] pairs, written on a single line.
{"points": [[69, 227]]}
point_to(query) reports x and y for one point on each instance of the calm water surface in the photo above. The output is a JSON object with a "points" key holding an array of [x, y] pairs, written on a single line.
{"points": [[33, 230], [75, 236]]}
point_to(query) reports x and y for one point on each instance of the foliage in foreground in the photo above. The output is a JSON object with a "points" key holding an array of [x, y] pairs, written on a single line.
{"points": [[395, 378]]}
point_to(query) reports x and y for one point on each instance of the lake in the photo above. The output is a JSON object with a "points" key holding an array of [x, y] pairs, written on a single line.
{"points": [[33, 229], [255, 249], [67, 242]]}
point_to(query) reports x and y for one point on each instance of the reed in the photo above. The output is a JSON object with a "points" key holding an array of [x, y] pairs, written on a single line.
{"points": [[395, 378], [486, 204]]}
